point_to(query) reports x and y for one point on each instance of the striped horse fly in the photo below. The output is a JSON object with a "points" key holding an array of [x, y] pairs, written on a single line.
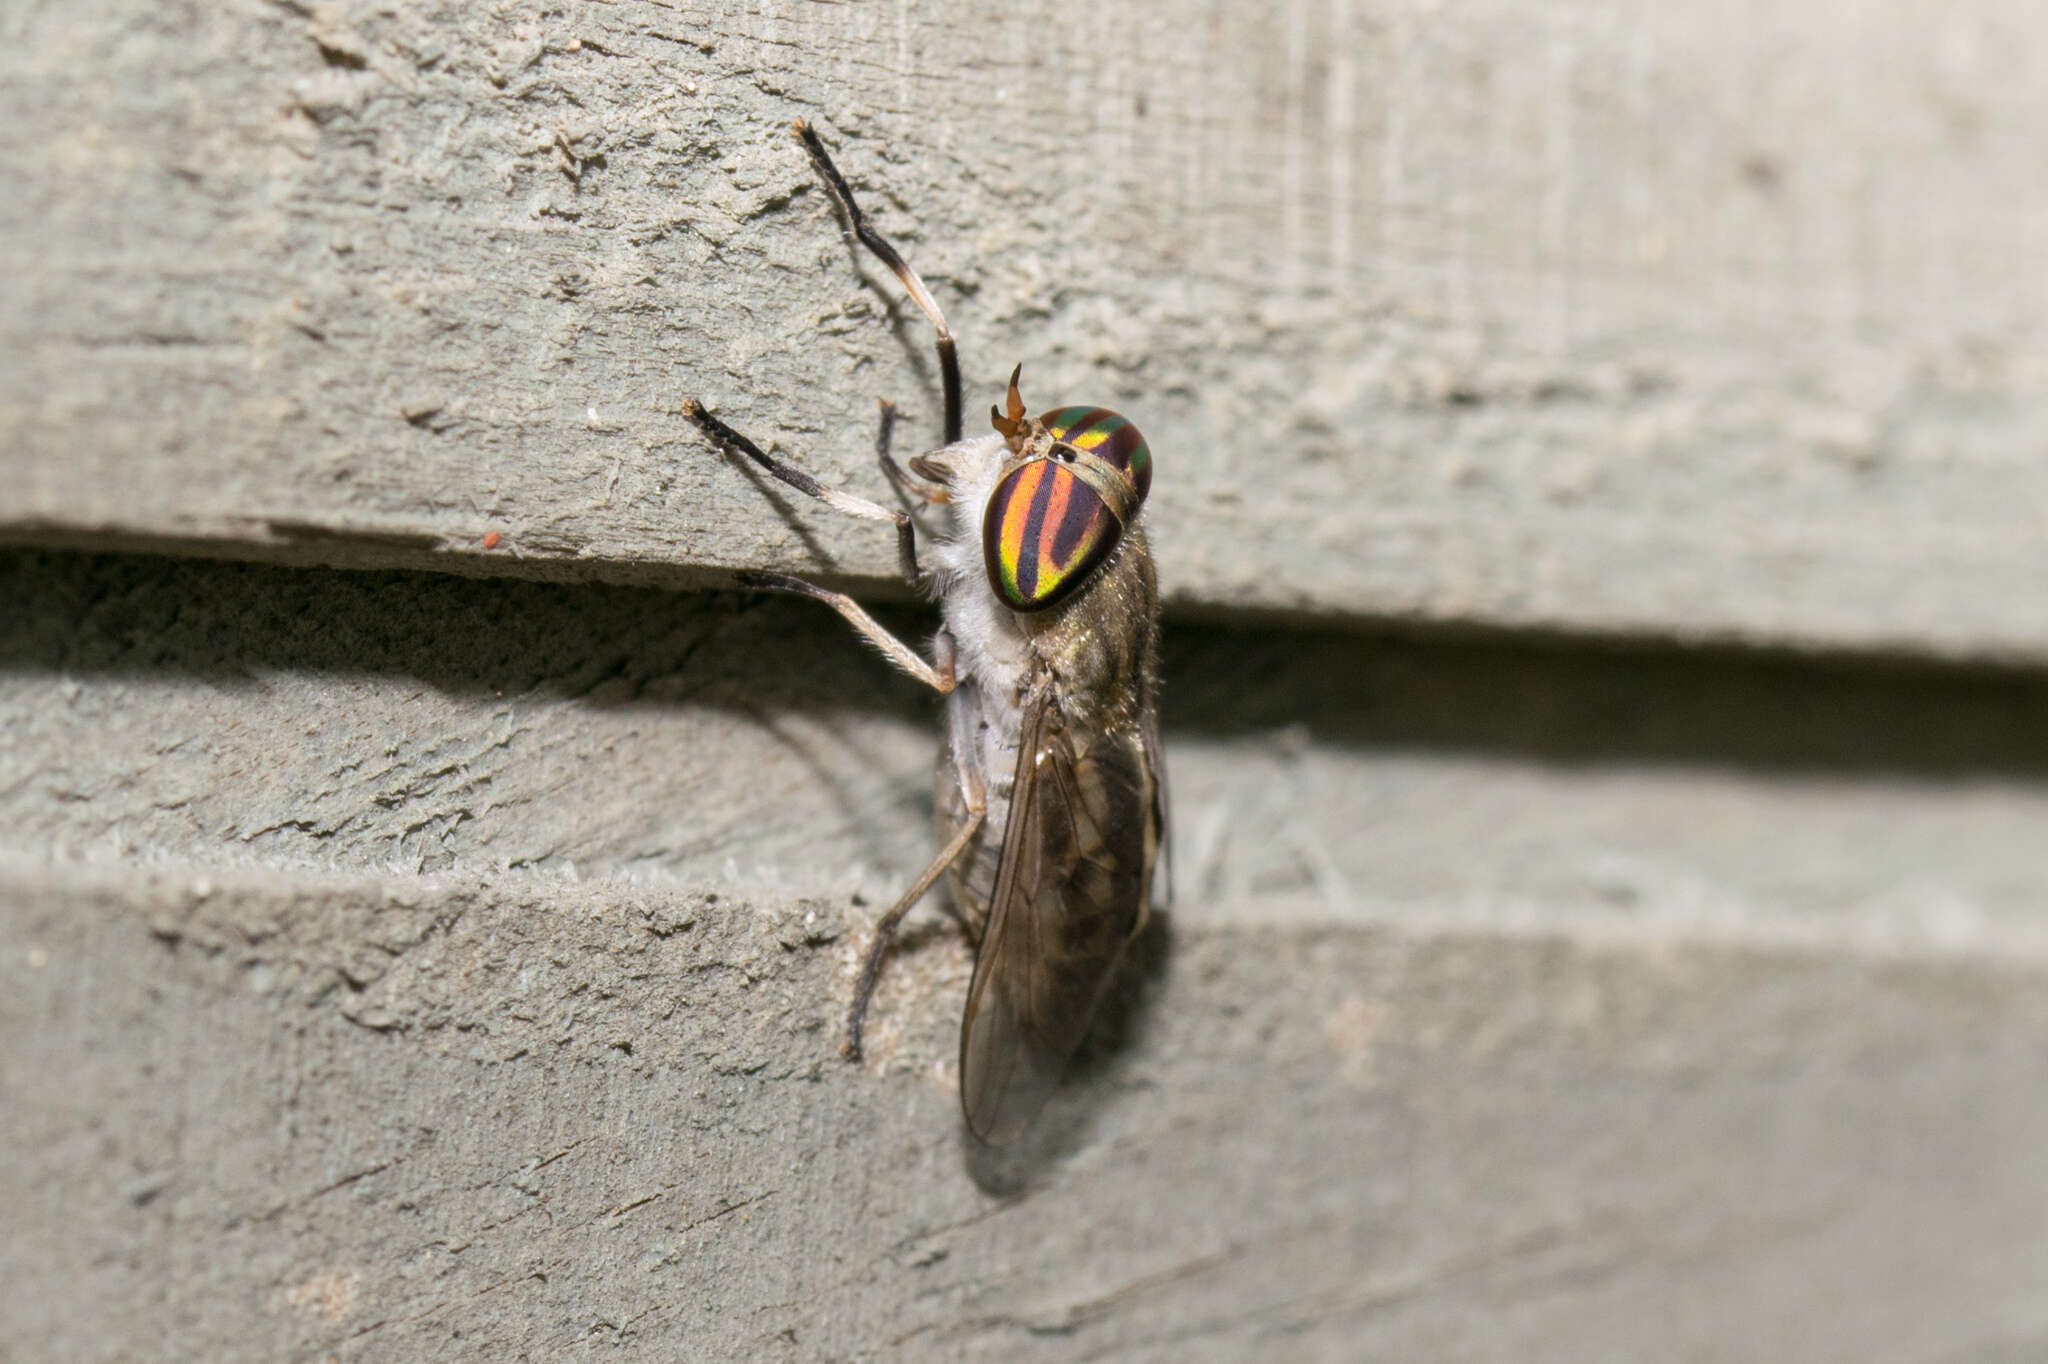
{"points": [[1050, 804]]}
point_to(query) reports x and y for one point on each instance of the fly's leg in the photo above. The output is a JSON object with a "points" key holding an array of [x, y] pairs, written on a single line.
{"points": [[938, 677], [732, 442], [975, 814], [835, 184], [939, 674], [885, 927], [908, 487]]}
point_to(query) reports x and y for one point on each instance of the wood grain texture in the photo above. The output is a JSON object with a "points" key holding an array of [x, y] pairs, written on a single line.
{"points": [[231, 715], [435, 965], [502, 1120], [1596, 316], [400, 966]]}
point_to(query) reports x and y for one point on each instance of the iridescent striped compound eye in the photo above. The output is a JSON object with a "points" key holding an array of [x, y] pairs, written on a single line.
{"points": [[1048, 526]]}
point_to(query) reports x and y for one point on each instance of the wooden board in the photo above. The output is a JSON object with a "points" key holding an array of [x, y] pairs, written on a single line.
{"points": [[375, 1119], [1597, 317], [460, 729], [398, 966]]}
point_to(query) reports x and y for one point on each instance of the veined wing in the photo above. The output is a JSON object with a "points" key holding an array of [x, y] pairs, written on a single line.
{"points": [[1070, 893], [1162, 844]]}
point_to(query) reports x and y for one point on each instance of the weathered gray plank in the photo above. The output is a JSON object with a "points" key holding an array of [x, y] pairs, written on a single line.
{"points": [[583, 1121], [404, 967], [236, 715], [1602, 316]]}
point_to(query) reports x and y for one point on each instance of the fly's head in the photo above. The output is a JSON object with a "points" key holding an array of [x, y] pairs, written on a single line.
{"points": [[1075, 478]]}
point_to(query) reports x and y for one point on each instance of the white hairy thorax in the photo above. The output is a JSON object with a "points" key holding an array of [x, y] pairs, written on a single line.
{"points": [[989, 643]]}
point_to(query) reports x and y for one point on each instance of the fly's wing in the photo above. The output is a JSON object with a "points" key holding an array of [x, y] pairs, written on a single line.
{"points": [[1161, 843], [1068, 896]]}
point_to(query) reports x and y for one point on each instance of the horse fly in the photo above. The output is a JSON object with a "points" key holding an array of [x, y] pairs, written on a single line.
{"points": [[1050, 802]]}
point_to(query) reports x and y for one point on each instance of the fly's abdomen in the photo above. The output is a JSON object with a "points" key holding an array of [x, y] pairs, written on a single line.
{"points": [[980, 754], [971, 879]]}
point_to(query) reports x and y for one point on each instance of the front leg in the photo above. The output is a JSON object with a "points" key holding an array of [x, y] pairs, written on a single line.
{"points": [[939, 676], [907, 485], [885, 927], [731, 441]]}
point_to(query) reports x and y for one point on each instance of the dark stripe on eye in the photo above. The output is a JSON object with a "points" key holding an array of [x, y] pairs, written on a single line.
{"points": [[1084, 511], [1109, 435], [1034, 534]]}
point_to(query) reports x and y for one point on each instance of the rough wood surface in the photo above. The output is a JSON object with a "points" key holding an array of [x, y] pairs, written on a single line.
{"points": [[436, 725], [1603, 316], [434, 965], [408, 967], [532, 1121]]}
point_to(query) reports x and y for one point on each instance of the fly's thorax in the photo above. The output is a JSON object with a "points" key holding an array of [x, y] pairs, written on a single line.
{"points": [[1098, 651], [989, 642]]}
